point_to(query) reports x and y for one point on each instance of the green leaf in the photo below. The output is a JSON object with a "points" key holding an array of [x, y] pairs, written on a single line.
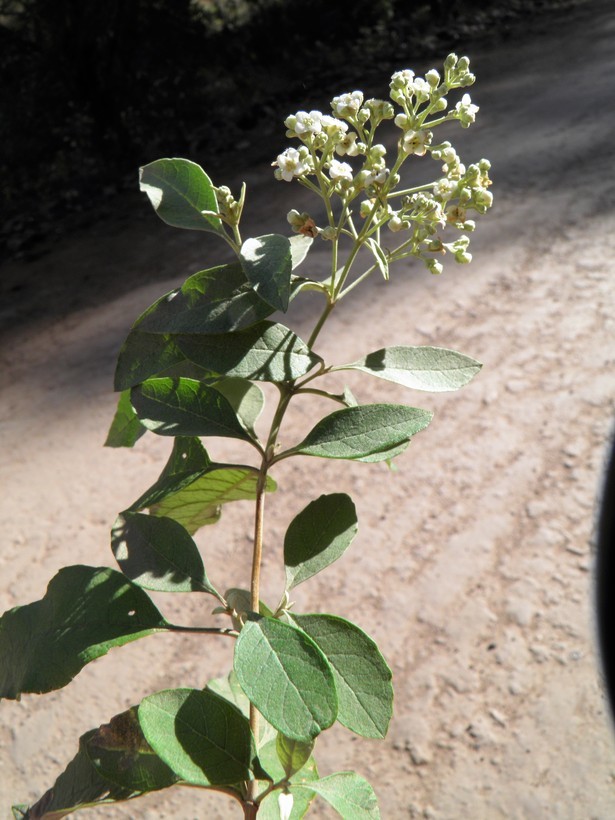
{"points": [[79, 786], [216, 300], [292, 754], [185, 407], [202, 737], [421, 368], [188, 461], [198, 503], [267, 264], [126, 429], [180, 191], [269, 808], [86, 611], [380, 257], [286, 677], [299, 247], [158, 554], [356, 432], [144, 355], [266, 352], [245, 398], [385, 455], [240, 600], [228, 688], [362, 676], [318, 536], [350, 795], [120, 753]]}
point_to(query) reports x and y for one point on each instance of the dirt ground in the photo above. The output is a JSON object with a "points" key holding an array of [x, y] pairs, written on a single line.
{"points": [[473, 566]]}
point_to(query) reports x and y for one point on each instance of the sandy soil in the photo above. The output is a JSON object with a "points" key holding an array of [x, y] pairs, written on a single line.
{"points": [[473, 567]]}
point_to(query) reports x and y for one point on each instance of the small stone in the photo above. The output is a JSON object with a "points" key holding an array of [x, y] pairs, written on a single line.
{"points": [[539, 653], [498, 717], [575, 550], [535, 509], [519, 611]]}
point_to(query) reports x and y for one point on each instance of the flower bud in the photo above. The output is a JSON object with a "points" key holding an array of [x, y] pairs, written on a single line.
{"points": [[450, 62], [433, 78], [434, 266], [380, 109]]}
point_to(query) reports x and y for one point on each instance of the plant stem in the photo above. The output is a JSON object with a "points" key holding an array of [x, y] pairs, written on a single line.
{"points": [[258, 539], [250, 809], [323, 318], [203, 630]]}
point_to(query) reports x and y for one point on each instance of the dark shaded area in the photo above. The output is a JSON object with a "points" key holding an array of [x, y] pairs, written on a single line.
{"points": [[90, 90], [605, 581]]}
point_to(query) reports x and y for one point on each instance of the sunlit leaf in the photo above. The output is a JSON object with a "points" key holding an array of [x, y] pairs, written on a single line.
{"points": [[246, 399], [198, 503], [188, 461], [357, 432], [286, 677], [422, 368], [350, 795], [269, 808], [180, 191], [380, 257], [362, 676], [292, 754], [267, 264], [299, 247]]}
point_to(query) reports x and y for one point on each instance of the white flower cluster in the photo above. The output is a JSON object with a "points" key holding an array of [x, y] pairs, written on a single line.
{"points": [[330, 141], [332, 135]]}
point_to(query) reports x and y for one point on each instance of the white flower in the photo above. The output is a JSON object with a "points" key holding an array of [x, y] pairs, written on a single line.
{"points": [[401, 79], [347, 145], [375, 176], [449, 155], [444, 188], [340, 170], [303, 124], [416, 142], [285, 806], [346, 105], [332, 126], [420, 88], [291, 163], [466, 110]]}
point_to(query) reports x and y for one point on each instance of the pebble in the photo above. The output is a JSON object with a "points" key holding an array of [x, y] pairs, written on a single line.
{"points": [[519, 611], [498, 717], [539, 653]]}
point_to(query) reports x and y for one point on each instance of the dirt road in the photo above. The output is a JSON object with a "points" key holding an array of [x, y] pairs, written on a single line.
{"points": [[473, 567]]}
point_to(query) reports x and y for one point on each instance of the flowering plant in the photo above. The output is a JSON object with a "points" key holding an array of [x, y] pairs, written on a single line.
{"points": [[190, 369]]}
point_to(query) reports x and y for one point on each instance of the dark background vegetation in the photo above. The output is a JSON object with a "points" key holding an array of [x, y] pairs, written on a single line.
{"points": [[91, 89]]}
